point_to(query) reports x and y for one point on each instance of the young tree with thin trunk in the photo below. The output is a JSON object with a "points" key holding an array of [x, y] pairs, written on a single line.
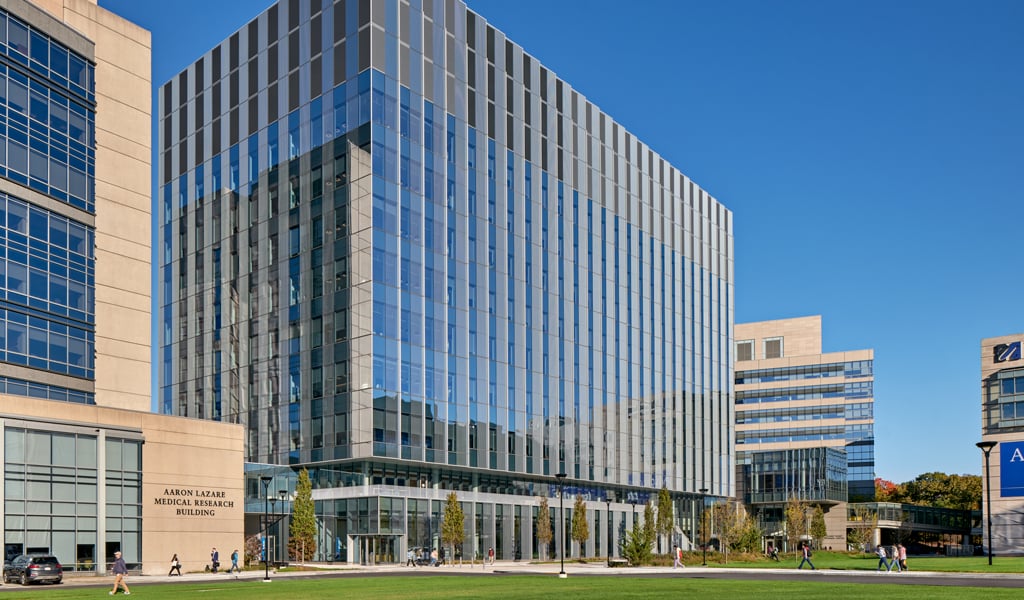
{"points": [[730, 520], [302, 529], [640, 540], [818, 528], [580, 525], [666, 515], [796, 521], [453, 526], [649, 527], [544, 533]]}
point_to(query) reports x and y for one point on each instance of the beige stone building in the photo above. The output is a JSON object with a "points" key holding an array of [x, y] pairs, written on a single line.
{"points": [[88, 469], [804, 423], [1002, 401]]}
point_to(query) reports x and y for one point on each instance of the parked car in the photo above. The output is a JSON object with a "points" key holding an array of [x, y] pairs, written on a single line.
{"points": [[29, 568]]}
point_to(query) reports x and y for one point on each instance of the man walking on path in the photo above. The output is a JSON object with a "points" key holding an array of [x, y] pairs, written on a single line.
{"points": [[807, 556], [234, 562], [679, 558], [883, 563], [120, 572], [214, 560]]}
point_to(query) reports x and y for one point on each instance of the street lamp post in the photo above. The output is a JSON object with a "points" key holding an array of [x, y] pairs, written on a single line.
{"points": [[608, 497], [265, 480], [561, 509], [703, 525], [283, 495], [986, 447]]}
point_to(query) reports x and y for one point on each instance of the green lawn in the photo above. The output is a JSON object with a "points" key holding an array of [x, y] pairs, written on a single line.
{"points": [[442, 587], [866, 562]]}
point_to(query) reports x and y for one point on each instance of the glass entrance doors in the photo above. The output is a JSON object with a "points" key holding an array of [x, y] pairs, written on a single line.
{"points": [[377, 549]]}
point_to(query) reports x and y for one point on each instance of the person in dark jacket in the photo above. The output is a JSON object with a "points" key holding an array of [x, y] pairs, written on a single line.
{"points": [[175, 566], [120, 571]]}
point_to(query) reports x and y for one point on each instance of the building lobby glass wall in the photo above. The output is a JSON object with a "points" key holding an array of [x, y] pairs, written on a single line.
{"points": [[388, 514], [72, 492]]}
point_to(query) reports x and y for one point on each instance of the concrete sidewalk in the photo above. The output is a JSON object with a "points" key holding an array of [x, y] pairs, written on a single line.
{"points": [[529, 568]]}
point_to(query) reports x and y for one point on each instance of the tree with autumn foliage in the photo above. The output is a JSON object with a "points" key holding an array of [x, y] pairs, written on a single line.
{"points": [[887, 491], [933, 489]]}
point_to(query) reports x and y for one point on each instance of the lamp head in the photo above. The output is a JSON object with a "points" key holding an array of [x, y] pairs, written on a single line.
{"points": [[986, 446]]}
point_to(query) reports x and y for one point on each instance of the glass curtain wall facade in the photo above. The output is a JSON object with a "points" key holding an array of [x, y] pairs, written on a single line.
{"points": [[404, 254], [47, 212], [74, 492]]}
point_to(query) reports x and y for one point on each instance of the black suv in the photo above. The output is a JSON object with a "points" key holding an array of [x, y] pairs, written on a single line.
{"points": [[28, 568]]}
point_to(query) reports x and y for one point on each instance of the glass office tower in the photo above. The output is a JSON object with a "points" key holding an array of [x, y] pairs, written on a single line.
{"points": [[407, 256]]}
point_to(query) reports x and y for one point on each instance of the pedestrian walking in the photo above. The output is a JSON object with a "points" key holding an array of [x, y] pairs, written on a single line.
{"points": [[806, 556], [883, 562], [234, 562], [893, 553], [410, 558], [214, 560], [902, 555], [679, 558], [120, 571], [175, 566], [490, 555]]}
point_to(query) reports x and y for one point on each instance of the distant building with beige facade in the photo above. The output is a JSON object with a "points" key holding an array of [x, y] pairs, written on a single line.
{"points": [[88, 470], [804, 423], [1002, 397]]}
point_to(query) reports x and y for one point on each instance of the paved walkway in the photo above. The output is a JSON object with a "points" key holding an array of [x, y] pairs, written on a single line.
{"points": [[577, 569]]}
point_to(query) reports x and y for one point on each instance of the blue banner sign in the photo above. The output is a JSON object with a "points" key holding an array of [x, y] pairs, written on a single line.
{"points": [[1011, 469]]}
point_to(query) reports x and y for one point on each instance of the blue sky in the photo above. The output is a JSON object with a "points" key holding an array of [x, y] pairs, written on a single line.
{"points": [[867, 150]]}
